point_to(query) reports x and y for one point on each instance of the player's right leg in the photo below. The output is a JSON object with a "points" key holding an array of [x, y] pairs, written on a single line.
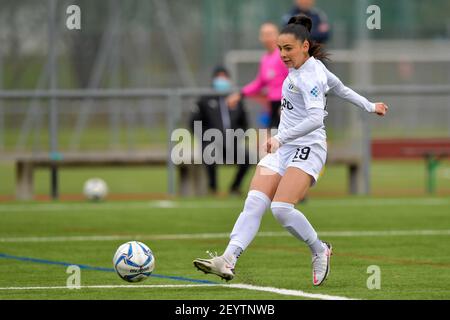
{"points": [[263, 187]]}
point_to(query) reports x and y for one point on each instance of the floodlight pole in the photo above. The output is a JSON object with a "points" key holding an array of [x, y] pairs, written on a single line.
{"points": [[115, 113], [2, 113], [102, 62], [364, 75], [53, 111], [173, 106]]}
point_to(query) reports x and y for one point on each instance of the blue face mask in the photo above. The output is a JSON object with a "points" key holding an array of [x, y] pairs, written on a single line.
{"points": [[222, 84]]}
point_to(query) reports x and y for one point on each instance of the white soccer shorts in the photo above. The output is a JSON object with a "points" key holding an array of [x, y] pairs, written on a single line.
{"points": [[308, 158]]}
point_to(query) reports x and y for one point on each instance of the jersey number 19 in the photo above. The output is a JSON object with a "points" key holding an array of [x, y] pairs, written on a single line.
{"points": [[302, 153]]}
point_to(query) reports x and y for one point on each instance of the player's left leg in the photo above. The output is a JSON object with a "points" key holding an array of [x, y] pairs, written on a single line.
{"points": [[292, 188]]}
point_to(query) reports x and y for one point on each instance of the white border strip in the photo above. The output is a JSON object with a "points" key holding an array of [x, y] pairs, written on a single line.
{"points": [[225, 235], [285, 292]]}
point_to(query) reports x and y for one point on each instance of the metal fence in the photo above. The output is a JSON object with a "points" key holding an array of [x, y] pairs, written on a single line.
{"points": [[148, 117], [410, 75]]}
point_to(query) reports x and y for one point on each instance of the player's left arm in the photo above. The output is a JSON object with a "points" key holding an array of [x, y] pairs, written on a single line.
{"points": [[337, 87]]}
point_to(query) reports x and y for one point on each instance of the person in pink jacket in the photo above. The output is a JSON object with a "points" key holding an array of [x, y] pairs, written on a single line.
{"points": [[271, 74]]}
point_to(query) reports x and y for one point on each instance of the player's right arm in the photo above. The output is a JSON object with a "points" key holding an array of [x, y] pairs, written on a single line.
{"points": [[312, 93]]}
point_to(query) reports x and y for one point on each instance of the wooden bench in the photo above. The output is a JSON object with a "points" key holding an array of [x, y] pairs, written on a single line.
{"points": [[191, 177], [431, 150], [353, 162]]}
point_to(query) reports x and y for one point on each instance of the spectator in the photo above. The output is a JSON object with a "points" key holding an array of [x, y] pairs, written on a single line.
{"points": [[213, 112], [320, 31], [271, 75]]}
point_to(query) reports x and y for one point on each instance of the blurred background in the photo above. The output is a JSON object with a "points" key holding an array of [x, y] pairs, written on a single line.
{"points": [[135, 69]]}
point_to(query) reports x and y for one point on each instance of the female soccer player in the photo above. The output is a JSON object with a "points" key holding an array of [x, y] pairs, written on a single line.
{"points": [[296, 154], [271, 75]]}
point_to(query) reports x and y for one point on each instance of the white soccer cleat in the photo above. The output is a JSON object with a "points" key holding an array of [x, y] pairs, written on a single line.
{"points": [[321, 265], [216, 265]]}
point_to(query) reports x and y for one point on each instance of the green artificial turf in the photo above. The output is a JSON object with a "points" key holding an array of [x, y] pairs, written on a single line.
{"points": [[412, 266]]}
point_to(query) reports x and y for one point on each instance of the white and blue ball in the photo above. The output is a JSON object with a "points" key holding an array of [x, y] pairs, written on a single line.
{"points": [[134, 261]]}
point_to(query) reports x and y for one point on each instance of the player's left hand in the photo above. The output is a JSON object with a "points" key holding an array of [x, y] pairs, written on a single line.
{"points": [[381, 108], [272, 145]]}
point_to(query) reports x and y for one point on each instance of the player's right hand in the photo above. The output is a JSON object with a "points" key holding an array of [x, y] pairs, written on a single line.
{"points": [[272, 145]]}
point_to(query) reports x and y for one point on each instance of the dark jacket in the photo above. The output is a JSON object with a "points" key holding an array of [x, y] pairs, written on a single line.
{"points": [[210, 110], [318, 18]]}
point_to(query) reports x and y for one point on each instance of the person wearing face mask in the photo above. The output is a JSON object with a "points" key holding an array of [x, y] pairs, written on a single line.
{"points": [[214, 113]]}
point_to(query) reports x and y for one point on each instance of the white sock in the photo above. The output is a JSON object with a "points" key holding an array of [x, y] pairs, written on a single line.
{"points": [[232, 253], [296, 223], [247, 225]]}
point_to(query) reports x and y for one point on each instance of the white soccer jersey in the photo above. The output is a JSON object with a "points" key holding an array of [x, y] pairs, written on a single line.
{"points": [[303, 104]]}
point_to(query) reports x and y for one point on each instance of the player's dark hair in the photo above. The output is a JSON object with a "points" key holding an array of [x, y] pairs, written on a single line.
{"points": [[300, 26]]}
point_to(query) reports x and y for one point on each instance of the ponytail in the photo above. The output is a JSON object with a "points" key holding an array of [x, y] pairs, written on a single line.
{"points": [[300, 26], [316, 50]]}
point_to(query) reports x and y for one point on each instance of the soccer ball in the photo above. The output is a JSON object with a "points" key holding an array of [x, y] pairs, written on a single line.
{"points": [[95, 189], [134, 261]]}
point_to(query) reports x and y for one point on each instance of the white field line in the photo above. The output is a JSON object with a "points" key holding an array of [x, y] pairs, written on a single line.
{"points": [[166, 204], [193, 236], [286, 292]]}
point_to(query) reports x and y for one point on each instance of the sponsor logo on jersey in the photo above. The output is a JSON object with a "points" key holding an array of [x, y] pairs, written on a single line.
{"points": [[285, 104], [315, 92], [292, 87]]}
